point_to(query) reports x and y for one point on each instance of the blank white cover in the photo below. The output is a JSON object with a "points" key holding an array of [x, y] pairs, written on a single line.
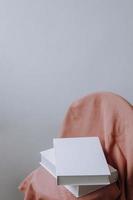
{"points": [[77, 190], [80, 157], [48, 154]]}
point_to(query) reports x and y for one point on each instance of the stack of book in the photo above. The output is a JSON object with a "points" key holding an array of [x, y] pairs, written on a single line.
{"points": [[79, 164]]}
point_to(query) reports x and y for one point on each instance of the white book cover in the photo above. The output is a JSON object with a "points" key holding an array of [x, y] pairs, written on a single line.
{"points": [[48, 162], [80, 161]]}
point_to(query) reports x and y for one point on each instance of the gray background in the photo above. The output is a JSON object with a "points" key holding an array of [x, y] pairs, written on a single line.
{"points": [[51, 53]]}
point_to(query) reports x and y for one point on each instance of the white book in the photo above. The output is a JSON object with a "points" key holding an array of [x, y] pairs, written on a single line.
{"points": [[48, 162], [80, 161]]}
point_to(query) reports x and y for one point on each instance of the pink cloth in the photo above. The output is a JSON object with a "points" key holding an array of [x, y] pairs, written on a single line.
{"points": [[108, 116]]}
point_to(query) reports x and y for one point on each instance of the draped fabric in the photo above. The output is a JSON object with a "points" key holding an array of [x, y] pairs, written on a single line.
{"points": [[108, 116]]}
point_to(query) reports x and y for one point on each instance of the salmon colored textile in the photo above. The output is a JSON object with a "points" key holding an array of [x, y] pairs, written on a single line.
{"points": [[108, 116]]}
